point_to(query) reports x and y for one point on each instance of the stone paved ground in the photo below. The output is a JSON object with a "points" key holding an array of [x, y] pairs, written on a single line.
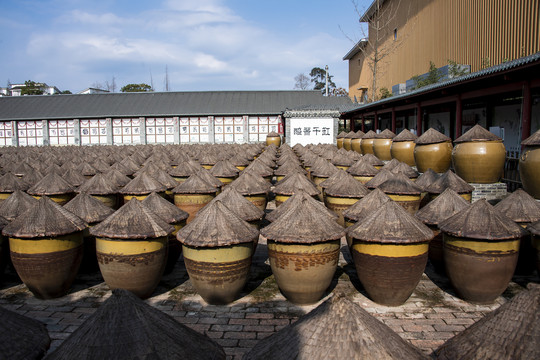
{"points": [[431, 315]]}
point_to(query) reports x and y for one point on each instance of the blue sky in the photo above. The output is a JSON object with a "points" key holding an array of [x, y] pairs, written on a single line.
{"points": [[205, 44]]}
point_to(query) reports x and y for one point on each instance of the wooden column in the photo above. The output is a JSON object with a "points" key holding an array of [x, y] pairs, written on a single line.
{"points": [[526, 112], [459, 116], [353, 124], [418, 119], [394, 120], [375, 122], [363, 124]]}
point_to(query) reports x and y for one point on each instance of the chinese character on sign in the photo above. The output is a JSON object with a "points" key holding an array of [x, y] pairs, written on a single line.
{"points": [[316, 130], [297, 131], [326, 131], [307, 131]]}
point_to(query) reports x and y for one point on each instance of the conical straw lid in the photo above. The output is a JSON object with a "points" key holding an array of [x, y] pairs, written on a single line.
{"points": [[400, 184], [477, 133], [449, 180], [444, 206], [534, 228], [405, 135], [386, 134], [303, 224], [125, 327], [341, 135], [132, 221], [373, 160], [52, 184], [184, 169], [405, 169], [366, 205], [163, 177], [391, 164], [86, 169], [259, 167], [194, 185], [45, 218], [520, 207], [510, 332], [482, 221], [224, 168], [142, 185], [391, 223], [249, 183], [362, 168], [74, 177], [88, 208], [336, 329], [294, 183], [99, 184], [533, 140], [346, 186], [323, 168], [164, 209], [215, 225], [426, 179], [209, 178], [431, 136], [295, 200], [238, 204], [289, 167], [22, 337], [117, 178], [9, 183], [380, 178], [370, 135], [17, 203]]}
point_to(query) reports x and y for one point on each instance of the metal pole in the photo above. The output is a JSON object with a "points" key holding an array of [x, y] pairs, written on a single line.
{"points": [[326, 68]]}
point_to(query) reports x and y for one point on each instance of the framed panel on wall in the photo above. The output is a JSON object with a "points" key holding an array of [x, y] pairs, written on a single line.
{"points": [[93, 131], [159, 130], [126, 131], [229, 129], [260, 126], [194, 130], [30, 132], [6, 133], [62, 132]]}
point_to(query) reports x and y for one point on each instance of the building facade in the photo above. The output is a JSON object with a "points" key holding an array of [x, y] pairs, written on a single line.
{"points": [[404, 36]]}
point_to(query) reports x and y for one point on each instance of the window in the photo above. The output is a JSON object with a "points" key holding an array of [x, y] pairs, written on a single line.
{"points": [[62, 132], [229, 129], [194, 130], [30, 133], [93, 131], [126, 131], [5, 133], [260, 126], [159, 130]]}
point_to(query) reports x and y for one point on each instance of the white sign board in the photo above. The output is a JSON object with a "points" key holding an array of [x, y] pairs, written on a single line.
{"points": [[306, 131]]}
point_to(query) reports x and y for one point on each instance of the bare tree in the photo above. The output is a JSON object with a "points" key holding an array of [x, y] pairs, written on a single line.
{"points": [[373, 45], [111, 86], [166, 80], [301, 82]]}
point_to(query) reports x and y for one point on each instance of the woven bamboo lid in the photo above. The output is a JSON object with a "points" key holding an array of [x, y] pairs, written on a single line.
{"points": [[405, 135], [370, 135], [133, 221], [341, 159], [99, 184], [390, 165], [238, 204], [431, 136], [164, 178], [249, 183], [100, 165], [125, 327], [44, 219], [185, 169], [392, 224], [477, 133], [216, 225], [400, 184], [449, 180], [16, 204], [239, 160], [86, 169], [209, 178], [117, 178], [74, 177], [142, 185], [341, 135], [444, 206], [339, 174], [360, 133], [406, 170], [373, 160], [9, 183], [426, 179], [164, 209], [194, 185], [366, 205], [296, 200], [88, 208], [350, 135], [224, 168], [295, 182], [21, 169], [346, 186], [289, 167], [533, 140], [336, 329], [510, 332], [386, 134], [362, 168], [323, 168], [520, 207], [303, 224], [533, 228], [22, 337], [272, 134], [121, 168], [381, 177], [482, 221], [51, 184], [357, 135], [32, 178]]}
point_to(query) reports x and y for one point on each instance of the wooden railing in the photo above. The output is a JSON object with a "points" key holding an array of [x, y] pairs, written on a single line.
{"points": [[511, 171]]}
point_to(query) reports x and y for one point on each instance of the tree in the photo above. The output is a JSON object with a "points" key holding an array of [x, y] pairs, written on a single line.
{"points": [[31, 88], [66, 92], [301, 81], [111, 86], [318, 77], [455, 70], [433, 76], [339, 92], [385, 93], [136, 88], [373, 46]]}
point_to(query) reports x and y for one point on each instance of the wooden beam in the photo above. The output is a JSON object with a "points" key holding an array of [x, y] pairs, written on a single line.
{"points": [[393, 120], [418, 119], [459, 116]]}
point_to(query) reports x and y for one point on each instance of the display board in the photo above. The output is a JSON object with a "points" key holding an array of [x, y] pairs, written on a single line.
{"points": [[306, 131]]}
